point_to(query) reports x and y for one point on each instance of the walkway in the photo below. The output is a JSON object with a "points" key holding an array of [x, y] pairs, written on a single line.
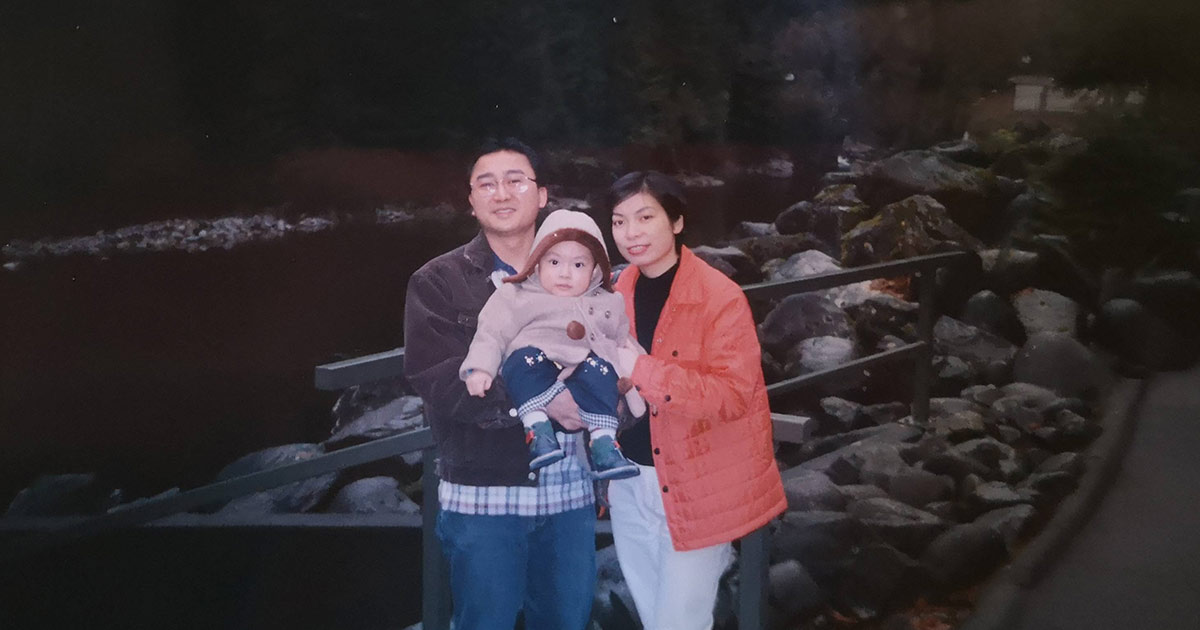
{"points": [[1136, 562]]}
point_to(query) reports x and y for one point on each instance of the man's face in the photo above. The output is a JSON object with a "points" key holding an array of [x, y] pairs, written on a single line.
{"points": [[505, 210]]}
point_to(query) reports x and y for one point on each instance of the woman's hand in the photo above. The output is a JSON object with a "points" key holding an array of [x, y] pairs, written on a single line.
{"points": [[478, 383]]}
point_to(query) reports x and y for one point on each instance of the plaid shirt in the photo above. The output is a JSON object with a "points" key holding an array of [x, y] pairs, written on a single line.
{"points": [[562, 486]]}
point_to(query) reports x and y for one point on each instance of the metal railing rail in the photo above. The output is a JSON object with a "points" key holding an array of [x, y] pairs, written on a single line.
{"points": [[170, 511]]}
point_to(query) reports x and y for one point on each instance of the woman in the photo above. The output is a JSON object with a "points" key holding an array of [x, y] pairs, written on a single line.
{"points": [[708, 473]]}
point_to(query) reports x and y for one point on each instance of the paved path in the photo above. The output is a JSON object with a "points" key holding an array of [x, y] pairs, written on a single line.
{"points": [[1136, 563]]}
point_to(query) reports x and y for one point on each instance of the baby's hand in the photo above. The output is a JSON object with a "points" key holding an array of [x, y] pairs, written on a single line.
{"points": [[478, 383]]}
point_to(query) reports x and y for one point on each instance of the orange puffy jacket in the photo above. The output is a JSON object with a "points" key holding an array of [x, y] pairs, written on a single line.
{"points": [[710, 423]]}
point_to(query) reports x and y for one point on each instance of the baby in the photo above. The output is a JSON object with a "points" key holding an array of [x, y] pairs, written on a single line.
{"points": [[558, 325]]}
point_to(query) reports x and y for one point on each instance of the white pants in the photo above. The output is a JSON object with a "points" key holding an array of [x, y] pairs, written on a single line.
{"points": [[673, 590]]}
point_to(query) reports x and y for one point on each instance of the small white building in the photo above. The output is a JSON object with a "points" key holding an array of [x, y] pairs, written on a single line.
{"points": [[1035, 93]]}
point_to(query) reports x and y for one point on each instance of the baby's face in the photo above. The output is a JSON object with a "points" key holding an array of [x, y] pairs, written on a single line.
{"points": [[566, 269]]}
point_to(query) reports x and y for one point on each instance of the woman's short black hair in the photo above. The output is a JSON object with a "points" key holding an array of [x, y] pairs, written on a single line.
{"points": [[492, 145], [664, 188]]}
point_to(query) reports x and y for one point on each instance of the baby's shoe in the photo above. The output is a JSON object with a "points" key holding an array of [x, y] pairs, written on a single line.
{"points": [[543, 445], [608, 462]]}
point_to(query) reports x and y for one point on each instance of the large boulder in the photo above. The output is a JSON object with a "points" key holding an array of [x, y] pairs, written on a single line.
{"points": [[878, 577], [1046, 311], [300, 496], [1008, 270], [988, 311], [812, 262], [821, 541], [964, 554], [799, 317], [974, 196], [792, 593], [764, 248], [734, 262], [393, 417], [1141, 338], [819, 353], [1059, 362], [810, 490], [990, 355], [373, 495], [63, 495], [910, 227], [902, 526]]}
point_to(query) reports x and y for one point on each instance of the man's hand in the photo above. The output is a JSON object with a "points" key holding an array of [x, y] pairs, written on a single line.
{"points": [[565, 411], [478, 383]]}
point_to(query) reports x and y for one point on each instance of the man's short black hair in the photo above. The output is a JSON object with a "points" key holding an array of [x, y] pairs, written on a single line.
{"points": [[492, 145]]}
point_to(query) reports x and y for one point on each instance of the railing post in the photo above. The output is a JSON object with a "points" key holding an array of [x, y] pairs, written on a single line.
{"points": [[435, 576], [923, 372], [752, 580]]}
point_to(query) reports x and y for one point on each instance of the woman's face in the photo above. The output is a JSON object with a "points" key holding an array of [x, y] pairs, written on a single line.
{"points": [[645, 234]]}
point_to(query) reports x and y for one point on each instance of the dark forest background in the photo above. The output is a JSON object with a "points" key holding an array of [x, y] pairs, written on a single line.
{"points": [[125, 110]]}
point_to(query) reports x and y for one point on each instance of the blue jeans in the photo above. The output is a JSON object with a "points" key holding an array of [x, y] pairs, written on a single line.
{"points": [[500, 565], [529, 376]]}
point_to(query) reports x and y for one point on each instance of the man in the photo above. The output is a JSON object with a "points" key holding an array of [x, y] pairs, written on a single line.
{"points": [[514, 539]]}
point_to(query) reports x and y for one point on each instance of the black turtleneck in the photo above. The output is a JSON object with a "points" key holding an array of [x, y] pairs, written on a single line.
{"points": [[649, 297]]}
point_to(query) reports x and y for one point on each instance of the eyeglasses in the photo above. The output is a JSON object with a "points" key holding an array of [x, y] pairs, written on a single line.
{"points": [[515, 184]]}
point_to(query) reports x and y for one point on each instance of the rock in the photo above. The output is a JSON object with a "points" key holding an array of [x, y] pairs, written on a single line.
{"points": [[951, 374], [885, 413], [792, 593], [698, 180], [1059, 362], [1058, 270], [1141, 338], [821, 541], [752, 229], [401, 415], [799, 317], [993, 495], [946, 510], [878, 464], [810, 490], [902, 526], [1046, 311], [859, 491], [795, 219], [781, 168], [764, 248], [813, 262], [300, 496], [912, 227], [918, 487], [1010, 522], [612, 604], [878, 576], [374, 495], [965, 151], [955, 464], [987, 311], [744, 269], [964, 554], [972, 193], [817, 354], [63, 495], [959, 426], [170, 492], [1051, 487], [986, 451], [1063, 462], [841, 415], [982, 394], [1007, 271], [990, 355], [880, 315]]}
